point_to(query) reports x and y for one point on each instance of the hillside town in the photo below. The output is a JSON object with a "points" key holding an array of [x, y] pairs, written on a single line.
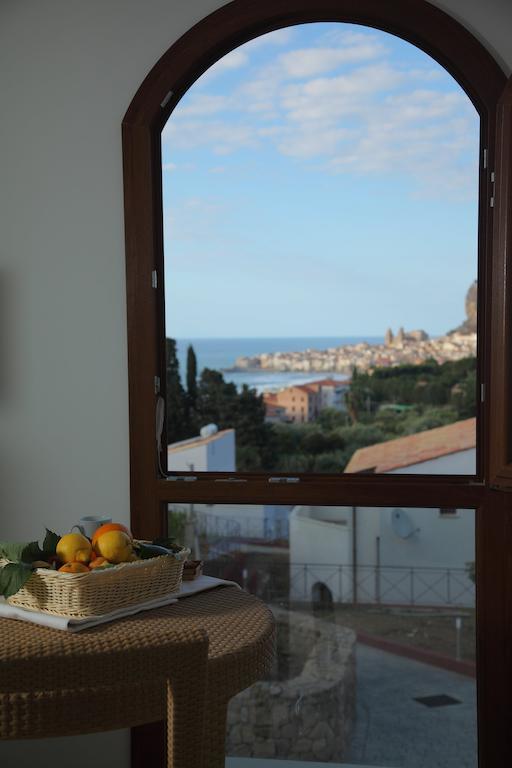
{"points": [[411, 347], [406, 347]]}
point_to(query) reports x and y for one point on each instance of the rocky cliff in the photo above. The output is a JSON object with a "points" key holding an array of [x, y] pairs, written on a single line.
{"points": [[469, 324]]}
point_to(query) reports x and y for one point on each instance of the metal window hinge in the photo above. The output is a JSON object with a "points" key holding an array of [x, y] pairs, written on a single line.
{"points": [[486, 157], [157, 384], [167, 99], [230, 480], [180, 478], [493, 179], [482, 393], [154, 279], [284, 479]]}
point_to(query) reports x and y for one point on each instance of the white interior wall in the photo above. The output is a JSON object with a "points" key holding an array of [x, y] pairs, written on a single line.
{"points": [[68, 71]]}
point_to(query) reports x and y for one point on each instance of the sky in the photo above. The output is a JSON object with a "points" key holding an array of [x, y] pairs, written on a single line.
{"points": [[320, 180]]}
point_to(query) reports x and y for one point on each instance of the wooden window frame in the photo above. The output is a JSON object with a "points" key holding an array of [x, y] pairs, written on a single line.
{"points": [[440, 36]]}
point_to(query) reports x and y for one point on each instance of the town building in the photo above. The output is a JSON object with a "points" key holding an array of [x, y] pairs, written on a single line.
{"points": [[392, 555], [227, 524], [331, 393], [212, 451], [274, 413], [302, 403]]}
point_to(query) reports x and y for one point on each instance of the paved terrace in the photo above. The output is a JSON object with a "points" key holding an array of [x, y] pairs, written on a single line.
{"points": [[395, 731]]}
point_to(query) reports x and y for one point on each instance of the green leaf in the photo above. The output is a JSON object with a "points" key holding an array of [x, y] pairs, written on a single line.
{"points": [[12, 550], [146, 551], [50, 542], [21, 551], [32, 551], [168, 543], [12, 577]]}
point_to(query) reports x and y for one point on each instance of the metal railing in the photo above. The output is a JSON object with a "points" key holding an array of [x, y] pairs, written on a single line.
{"points": [[278, 581], [382, 584], [217, 526]]}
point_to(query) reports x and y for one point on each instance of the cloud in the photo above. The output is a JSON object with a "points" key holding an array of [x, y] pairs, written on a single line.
{"points": [[312, 141], [278, 37], [346, 102], [308, 62], [202, 104], [332, 98], [231, 61], [223, 137], [240, 56]]}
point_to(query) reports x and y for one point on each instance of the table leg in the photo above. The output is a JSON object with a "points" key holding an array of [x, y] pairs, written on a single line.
{"points": [[214, 754], [186, 706]]}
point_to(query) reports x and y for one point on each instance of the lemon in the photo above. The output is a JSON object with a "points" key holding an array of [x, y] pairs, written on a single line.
{"points": [[74, 548], [116, 546]]}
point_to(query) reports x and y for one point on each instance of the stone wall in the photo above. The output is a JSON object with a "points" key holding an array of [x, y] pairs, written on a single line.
{"points": [[306, 711]]}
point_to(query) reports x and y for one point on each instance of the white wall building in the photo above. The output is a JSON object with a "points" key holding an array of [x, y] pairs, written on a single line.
{"points": [[332, 393], [216, 452], [211, 453], [387, 554]]}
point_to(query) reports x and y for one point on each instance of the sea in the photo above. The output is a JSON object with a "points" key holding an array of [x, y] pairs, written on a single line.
{"points": [[220, 355]]}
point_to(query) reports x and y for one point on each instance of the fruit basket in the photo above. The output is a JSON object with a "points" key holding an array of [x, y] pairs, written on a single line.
{"points": [[99, 591]]}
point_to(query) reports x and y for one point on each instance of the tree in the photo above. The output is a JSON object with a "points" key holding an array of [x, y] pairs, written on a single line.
{"points": [[191, 395], [219, 402], [216, 399], [252, 430], [191, 376], [176, 406]]}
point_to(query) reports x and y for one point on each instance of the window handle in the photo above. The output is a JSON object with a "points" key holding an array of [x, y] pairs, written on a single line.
{"points": [[230, 480], [284, 479]]}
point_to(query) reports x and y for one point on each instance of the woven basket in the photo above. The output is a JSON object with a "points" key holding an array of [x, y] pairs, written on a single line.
{"points": [[79, 595]]}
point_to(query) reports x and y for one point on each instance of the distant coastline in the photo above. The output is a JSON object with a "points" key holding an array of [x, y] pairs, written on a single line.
{"points": [[412, 348], [220, 354], [300, 360]]}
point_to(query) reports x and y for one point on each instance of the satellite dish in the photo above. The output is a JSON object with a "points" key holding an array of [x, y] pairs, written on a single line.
{"points": [[402, 524], [209, 430]]}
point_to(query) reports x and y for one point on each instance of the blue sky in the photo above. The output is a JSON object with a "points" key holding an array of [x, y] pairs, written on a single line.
{"points": [[320, 180]]}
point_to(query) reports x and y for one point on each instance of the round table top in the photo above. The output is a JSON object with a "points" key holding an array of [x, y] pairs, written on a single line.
{"points": [[133, 653]]}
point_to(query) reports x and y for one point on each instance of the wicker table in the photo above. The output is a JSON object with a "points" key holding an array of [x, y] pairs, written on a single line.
{"points": [[182, 663]]}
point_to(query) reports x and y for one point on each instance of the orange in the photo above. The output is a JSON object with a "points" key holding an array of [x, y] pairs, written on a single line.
{"points": [[99, 562], [74, 568], [109, 527]]}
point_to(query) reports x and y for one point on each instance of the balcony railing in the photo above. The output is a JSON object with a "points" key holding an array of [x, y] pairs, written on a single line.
{"points": [[280, 581]]}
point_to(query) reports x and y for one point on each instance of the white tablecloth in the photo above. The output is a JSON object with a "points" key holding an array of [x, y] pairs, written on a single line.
{"points": [[200, 584]]}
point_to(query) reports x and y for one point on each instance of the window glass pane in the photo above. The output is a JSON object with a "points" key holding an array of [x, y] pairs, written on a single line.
{"points": [[375, 612], [320, 189]]}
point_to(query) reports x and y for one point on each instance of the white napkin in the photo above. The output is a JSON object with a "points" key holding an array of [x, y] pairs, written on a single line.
{"points": [[200, 584]]}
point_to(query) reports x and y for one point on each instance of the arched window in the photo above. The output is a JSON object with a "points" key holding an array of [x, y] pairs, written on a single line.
{"points": [[152, 490]]}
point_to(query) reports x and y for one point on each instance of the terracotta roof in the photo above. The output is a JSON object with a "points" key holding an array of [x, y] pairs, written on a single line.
{"points": [[330, 383], [307, 388], [194, 441], [297, 388], [414, 449]]}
